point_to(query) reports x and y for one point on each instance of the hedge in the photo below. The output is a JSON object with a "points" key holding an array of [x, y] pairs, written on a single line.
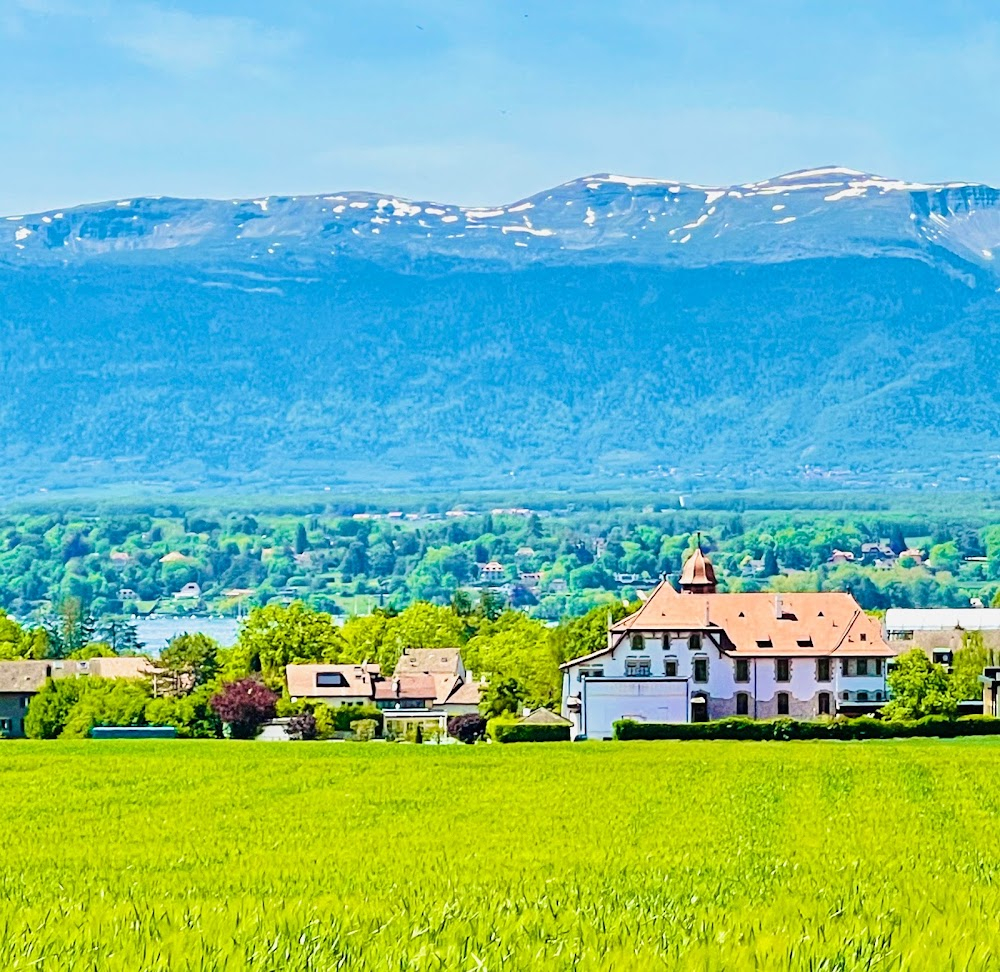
{"points": [[504, 731], [864, 727]]}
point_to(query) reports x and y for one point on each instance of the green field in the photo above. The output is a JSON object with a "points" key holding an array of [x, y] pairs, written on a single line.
{"points": [[698, 855]]}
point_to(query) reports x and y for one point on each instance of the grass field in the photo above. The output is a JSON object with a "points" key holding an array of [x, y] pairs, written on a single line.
{"points": [[698, 855]]}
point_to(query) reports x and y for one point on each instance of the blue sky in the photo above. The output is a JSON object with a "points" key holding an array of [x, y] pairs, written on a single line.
{"points": [[482, 101]]}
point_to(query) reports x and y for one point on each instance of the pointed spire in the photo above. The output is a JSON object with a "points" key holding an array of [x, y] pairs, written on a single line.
{"points": [[698, 575]]}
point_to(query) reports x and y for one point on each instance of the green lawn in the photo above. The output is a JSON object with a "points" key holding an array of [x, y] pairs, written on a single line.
{"points": [[697, 855]]}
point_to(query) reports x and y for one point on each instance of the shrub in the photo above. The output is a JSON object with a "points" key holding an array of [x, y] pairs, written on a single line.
{"points": [[245, 705], [510, 731], [864, 727], [467, 728], [302, 726], [364, 729]]}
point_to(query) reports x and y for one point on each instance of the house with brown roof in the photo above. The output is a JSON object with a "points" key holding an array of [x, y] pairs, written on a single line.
{"points": [[424, 678], [332, 684], [20, 680], [696, 654], [455, 691]]}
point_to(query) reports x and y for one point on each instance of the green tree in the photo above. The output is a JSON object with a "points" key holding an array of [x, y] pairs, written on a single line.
{"points": [[968, 665], [919, 688], [191, 715], [301, 540], [278, 635], [897, 542], [16, 642], [503, 696], [189, 660]]}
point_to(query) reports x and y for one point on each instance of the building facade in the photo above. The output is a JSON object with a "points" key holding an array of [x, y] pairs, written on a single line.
{"points": [[699, 655]]}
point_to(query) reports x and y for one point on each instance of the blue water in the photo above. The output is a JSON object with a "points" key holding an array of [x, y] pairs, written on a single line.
{"points": [[154, 633]]}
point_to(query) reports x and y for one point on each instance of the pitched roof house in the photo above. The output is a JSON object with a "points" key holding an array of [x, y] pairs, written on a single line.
{"points": [[19, 680], [426, 678], [333, 684], [696, 654]]}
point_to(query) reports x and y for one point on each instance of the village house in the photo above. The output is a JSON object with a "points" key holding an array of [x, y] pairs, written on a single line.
{"points": [[20, 680], [427, 687], [696, 655], [940, 632], [333, 684], [491, 573]]}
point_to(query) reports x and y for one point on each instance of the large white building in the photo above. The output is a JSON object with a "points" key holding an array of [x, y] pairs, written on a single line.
{"points": [[699, 655]]}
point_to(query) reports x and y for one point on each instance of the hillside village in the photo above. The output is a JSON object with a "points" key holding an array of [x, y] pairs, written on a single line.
{"points": [[550, 563], [683, 654]]}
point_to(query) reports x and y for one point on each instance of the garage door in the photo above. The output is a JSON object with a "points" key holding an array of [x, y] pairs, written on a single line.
{"points": [[608, 700]]}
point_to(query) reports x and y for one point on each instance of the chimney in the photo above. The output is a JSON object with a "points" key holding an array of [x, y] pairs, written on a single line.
{"points": [[778, 610]]}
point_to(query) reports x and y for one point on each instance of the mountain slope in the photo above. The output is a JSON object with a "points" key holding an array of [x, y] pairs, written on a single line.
{"points": [[825, 324]]}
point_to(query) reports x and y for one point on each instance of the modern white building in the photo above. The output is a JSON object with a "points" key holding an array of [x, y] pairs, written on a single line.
{"points": [[904, 623], [699, 655]]}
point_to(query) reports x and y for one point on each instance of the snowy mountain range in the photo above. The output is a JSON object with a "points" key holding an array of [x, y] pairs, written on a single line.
{"points": [[825, 325], [820, 212]]}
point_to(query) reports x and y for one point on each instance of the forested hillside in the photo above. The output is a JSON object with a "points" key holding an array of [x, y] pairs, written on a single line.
{"points": [[588, 337]]}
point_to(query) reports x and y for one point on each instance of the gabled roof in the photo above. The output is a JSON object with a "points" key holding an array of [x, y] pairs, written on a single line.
{"points": [[465, 693], [301, 681], [23, 676], [762, 625], [435, 661], [29, 675], [406, 687]]}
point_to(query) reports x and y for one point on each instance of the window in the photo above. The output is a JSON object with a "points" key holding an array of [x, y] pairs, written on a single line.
{"points": [[638, 667], [330, 680], [824, 703], [862, 666], [670, 667], [878, 665], [862, 696], [864, 637], [844, 667], [6, 725], [782, 703], [590, 671], [637, 644], [701, 669], [694, 642], [742, 703], [24, 701], [822, 669], [742, 670], [782, 670]]}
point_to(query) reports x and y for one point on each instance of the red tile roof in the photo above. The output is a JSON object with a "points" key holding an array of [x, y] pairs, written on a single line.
{"points": [[764, 624]]}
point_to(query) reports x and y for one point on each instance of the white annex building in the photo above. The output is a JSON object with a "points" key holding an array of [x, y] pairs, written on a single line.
{"points": [[699, 655]]}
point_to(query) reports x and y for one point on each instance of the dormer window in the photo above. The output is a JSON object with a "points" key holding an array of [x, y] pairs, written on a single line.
{"points": [[765, 643], [330, 680]]}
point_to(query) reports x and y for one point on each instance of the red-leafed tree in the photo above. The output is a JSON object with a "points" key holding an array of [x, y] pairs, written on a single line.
{"points": [[244, 706]]}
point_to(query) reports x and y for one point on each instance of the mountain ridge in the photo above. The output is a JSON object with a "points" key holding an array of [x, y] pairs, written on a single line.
{"points": [[823, 327]]}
